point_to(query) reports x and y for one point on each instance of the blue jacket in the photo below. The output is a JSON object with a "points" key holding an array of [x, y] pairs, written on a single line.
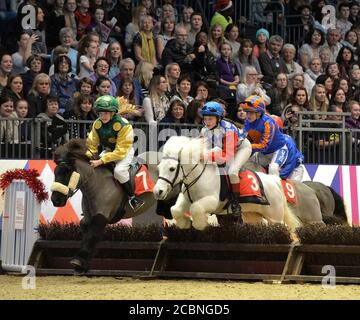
{"points": [[264, 135], [294, 159]]}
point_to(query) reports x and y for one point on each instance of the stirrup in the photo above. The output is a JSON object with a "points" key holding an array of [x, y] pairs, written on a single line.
{"points": [[136, 203]]}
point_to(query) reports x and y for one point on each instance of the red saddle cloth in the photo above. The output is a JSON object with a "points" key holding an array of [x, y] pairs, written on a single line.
{"points": [[251, 188], [289, 191], [143, 181]]}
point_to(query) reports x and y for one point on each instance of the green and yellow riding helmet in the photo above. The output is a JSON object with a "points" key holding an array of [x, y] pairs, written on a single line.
{"points": [[106, 104]]}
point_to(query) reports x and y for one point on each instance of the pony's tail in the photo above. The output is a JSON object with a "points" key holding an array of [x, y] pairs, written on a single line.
{"points": [[340, 208], [291, 220]]}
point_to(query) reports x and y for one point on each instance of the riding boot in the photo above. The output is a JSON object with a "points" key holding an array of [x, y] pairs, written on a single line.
{"points": [[134, 202], [235, 201]]}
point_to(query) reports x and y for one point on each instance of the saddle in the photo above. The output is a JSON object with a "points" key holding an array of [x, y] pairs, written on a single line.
{"points": [[246, 194]]}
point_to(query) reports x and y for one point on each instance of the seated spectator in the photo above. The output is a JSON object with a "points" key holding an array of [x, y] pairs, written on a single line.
{"points": [[176, 113], [333, 37], [315, 38], [205, 68], [144, 42], [144, 73], [332, 70], [70, 20], [14, 89], [227, 71], [35, 66], [353, 121], [345, 61], [8, 129], [134, 26], [38, 94], [314, 69], [67, 40], [328, 83], [177, 50], [354, 13], [250, 85], [319, 101], [167, 31], [280, 94], [193, 113], [325, 56], [97, 24], [56, 53], [186, 17], [232, 36], [246, 58], [183, 91], [102, 87], [342, 22], [82, 110], [355, 79], [63, 85], [83, 87], [338, 98], [167, 11], [127, 69], [20, 57], [22, 109], [156, 104], [55, 20], [262, 42], [114, 55], [299, 102], [83, 17], [344, 84], [6, 65], [202, 93], [172, 75], [351, 40], [288, 54], [196, 25], [54, 127], [129, 108], [39, 47], [101, 69], [302, 80], [86, 58], [215, 40], [271, 62]]}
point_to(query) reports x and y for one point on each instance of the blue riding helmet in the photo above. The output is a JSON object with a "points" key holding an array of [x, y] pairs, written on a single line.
{"points": [[212, 108]]}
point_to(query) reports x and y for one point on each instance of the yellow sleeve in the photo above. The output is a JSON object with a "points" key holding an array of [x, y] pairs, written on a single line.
{"points": [[124, 142], [92, 142]]}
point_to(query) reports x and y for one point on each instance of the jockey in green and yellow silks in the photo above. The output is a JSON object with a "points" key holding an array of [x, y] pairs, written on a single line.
{"points": [[114, 136]]}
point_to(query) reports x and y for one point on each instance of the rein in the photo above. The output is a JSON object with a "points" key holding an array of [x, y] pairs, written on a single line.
{"points": [[189, 185]]}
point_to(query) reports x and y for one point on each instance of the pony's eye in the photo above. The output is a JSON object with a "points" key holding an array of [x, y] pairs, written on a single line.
{"points": [[172, 169]]}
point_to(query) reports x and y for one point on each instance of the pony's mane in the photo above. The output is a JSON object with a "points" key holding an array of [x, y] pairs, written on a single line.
{"points": [[74, 149], [174, 144], [194, 146]]}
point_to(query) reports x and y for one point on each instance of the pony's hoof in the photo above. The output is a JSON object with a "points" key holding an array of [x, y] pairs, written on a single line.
{"points": [[183, 223], [80, 266]]}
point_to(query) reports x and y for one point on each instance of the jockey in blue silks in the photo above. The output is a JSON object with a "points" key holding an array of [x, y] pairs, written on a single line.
{"points": [[293, 167], [228, 145], [265, 136]]}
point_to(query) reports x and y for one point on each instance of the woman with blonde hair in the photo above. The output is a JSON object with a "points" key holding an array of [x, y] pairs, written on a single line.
{"points": [[216, 38], [38, 94], [250, 85], [167, 32], [134, 26], [156, 104], [319, 101], [144, 73]]}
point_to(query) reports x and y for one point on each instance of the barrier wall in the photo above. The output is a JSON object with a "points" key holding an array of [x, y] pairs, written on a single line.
{"points": [[343, 179]]}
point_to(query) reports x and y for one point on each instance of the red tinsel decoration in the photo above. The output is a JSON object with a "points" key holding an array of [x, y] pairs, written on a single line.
{"points": [[31, 179]]}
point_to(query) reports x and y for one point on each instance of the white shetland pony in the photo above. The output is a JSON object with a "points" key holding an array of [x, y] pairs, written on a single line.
{"points": [[200, 191]]}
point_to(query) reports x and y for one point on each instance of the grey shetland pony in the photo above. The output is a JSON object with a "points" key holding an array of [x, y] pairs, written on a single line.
{"points": [[103, 199]]}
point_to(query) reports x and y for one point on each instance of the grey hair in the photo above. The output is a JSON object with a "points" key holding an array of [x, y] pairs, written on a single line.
{"points": [[276, 38], [289, 46], [126, 61], [66, 30]]}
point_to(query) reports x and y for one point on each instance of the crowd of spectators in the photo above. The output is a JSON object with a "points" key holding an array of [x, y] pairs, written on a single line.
{"points": [[163, 63]]}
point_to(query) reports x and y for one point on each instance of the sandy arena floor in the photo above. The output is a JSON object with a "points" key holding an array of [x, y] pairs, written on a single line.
{"points": [[73, 288]]}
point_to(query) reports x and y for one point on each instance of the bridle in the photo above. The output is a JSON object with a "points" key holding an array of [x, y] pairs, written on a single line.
{"points": [[73, 184], [185, 176]]}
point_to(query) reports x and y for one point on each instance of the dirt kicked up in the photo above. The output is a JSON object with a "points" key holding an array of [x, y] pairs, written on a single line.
{"points": [[61, 288]]}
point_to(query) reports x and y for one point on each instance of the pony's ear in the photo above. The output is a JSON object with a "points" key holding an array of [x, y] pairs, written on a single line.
{"points": [[60, 154]]}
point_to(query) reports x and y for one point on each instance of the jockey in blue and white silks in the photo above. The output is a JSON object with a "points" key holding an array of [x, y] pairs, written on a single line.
{"points": [[267, 141], [293, 167], [228, 146]]}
